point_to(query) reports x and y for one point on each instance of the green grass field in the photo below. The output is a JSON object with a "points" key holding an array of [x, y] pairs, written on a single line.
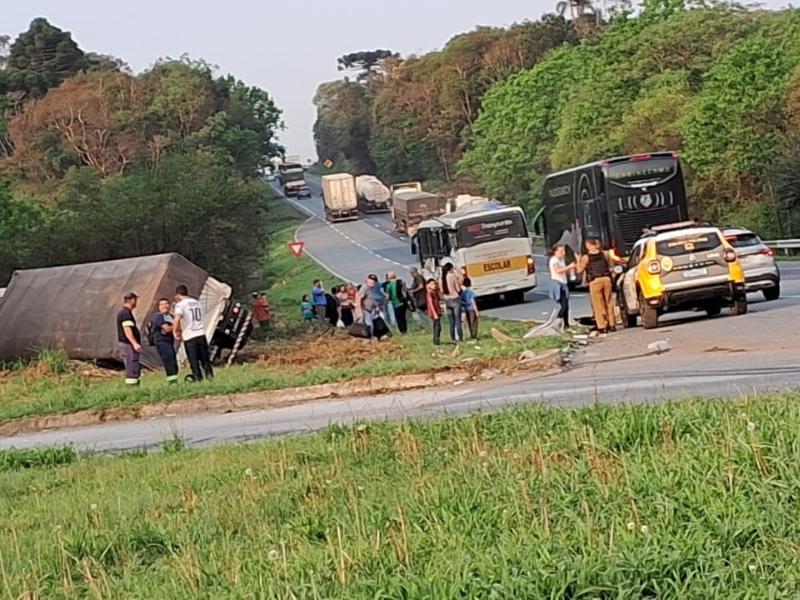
{"points": [[691, 500]]}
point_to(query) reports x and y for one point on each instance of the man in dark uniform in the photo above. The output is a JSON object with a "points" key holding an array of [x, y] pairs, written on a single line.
{"points": [[164, 339], [129, 338]]}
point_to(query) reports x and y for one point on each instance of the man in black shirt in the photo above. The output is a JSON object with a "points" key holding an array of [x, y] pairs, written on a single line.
{"points": [[129, 338], [164, 340]]}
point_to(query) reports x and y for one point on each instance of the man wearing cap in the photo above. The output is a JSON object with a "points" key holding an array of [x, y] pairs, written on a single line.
{"points": [[129, 338]]}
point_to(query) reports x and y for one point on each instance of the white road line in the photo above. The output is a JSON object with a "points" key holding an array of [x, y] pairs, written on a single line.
{"points": [[376, 225]]}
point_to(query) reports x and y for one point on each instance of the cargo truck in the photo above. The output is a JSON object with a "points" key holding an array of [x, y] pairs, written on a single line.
{"points": [[339, 197], [410, 207], [373, 196], [293, 179]]}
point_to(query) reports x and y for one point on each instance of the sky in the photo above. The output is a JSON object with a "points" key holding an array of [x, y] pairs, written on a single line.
{"points": [[286, 48]]}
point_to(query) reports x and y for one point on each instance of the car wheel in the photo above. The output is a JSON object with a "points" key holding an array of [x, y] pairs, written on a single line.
{"points": [[649, 315], [713, 311], [773, 293], [739, 306]]}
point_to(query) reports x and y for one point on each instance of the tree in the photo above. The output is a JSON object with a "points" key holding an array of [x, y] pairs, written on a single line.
{"points": [[40, 59], [342, 129], [21, 222], [84, 115], [366, 63]]}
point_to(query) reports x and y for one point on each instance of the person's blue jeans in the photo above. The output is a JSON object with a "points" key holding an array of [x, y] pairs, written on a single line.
{"points": [[453, 307]]}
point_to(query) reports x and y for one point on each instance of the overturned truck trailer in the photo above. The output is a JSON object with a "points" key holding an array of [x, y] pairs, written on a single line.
{"points": [[74, 307]]}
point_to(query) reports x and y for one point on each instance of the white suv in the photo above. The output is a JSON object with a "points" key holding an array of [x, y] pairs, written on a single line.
{"points": [[760, 269]]}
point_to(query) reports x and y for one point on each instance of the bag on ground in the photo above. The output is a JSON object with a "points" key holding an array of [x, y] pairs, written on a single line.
{"points": [[379, 327], [359, 330]]}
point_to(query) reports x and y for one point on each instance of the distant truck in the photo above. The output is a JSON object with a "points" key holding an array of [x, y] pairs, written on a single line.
{"points": [[373, 196], [293, 179], [411, 207], [339, 197]]}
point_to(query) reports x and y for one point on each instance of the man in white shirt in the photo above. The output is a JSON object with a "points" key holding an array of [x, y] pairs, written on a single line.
{"points": [[189, 327]]}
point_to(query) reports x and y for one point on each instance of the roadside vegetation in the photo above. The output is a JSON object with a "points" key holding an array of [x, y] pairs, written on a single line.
{"points": [[498, 109], [694, 499], [316, 358], [167, 160]]}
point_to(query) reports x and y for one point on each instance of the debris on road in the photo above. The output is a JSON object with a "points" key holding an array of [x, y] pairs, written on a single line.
{"points": [[659, 347]]}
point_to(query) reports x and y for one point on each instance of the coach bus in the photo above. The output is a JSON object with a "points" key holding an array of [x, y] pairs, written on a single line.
{"points": [[489, 243], [614, 200]]}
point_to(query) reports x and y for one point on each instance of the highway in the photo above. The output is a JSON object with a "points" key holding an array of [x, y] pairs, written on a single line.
{"points": [[722, 357], [353, 249]]}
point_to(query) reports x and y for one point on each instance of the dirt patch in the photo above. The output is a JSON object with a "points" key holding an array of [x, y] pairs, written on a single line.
{"points": [[333, 350]]}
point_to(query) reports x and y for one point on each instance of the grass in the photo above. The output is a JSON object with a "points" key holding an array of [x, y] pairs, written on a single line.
{"points": [[35, 391], [687, 500], [286, 278]]}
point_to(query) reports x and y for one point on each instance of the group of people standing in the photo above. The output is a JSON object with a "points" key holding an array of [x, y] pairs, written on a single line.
{"points": [[597, 265], [168, 328], [374, 307]]}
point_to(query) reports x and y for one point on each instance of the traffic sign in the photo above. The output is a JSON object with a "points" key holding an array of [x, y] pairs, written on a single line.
{"points": [[296, 248], [328, 164]]}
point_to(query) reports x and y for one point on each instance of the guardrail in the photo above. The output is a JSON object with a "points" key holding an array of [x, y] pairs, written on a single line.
{"points": [[784, 247]]}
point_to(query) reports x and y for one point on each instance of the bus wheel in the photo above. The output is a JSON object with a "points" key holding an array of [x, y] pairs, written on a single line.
{"points": [[649, 315]]}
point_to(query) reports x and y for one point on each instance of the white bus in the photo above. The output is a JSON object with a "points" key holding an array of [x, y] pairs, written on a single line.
{"points": [[489, 243]]}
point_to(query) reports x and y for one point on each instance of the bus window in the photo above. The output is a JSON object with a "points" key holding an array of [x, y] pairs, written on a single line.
{"points": [[491, 227], [563, 227]]}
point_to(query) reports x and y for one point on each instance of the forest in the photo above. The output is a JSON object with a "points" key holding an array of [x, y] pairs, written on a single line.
{"points": [[496, 110], [98, 163]]}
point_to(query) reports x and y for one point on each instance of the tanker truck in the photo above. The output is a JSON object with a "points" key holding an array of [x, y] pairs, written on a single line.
{"points": [[373, 196]]}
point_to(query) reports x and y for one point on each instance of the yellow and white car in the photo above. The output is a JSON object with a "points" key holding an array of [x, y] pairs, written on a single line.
{"points": [[681, 267]]}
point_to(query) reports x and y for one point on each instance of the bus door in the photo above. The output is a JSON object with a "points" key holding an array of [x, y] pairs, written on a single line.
{"points": [[431, 244]]}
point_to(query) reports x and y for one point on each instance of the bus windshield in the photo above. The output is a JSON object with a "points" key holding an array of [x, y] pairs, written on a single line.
{"points": [[642, 173], [488, 228]]}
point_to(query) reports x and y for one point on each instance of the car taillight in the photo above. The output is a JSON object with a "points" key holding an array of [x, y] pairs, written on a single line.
{"points": [[654, 267], [531, 265], [767, 252], [730, 255]]}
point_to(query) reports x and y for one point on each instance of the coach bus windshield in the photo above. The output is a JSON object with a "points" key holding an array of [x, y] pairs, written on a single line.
{"points": [[489, 228]]}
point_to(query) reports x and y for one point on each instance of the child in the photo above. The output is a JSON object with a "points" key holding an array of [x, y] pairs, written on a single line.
{"points": [[470, 307], [433, 305], [307, 308]]}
